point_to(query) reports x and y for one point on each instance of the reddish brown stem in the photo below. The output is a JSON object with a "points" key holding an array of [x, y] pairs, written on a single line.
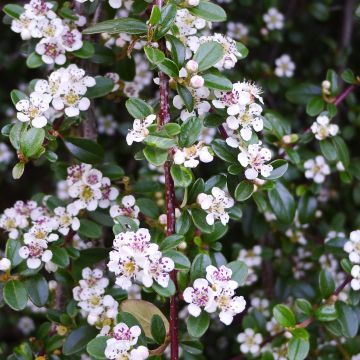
{"points": [[343, 95], [164, 118]]}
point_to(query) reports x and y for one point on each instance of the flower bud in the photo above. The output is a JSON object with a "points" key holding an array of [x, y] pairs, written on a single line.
{"points": [[5, 264], [326, 84], [192, 66], [197, 82], [192, 2]]}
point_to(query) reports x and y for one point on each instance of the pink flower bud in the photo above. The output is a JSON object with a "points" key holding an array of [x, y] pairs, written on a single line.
{"points": [[192, 66], [197, 82]]}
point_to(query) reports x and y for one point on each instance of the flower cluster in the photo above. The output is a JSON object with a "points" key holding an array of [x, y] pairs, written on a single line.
{"points": [[90, 295], [57, 36], [122, 344], [215, 205], [89, 189], [136, 258], [65, 89], [252, 259], [216, 292], [352, 247]]}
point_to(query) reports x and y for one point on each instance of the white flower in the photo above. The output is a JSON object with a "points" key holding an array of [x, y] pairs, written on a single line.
{"points": [[71, 40], [122, 344], [251, 257], [188, 24], [51, 51], [255, 157], [237, 31], [316, 169], [355, 273], [66, 221], [250, 341], [33, 109], [115, 79], [274, 19], [243, 93], [200, 296], [353, 247], [220, 278], [229, 305], [188, 156], [106, 125], [127, 208], [248, 118], [158, 269], [323, 129], [140, 129], [215, 205], [35, 252], [108, 193], [5, 264], [26, 325], [284, 66]]}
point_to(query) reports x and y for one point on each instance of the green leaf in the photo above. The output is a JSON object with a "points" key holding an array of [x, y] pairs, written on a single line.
{"points": [[87, 51], [155, 156], [178, 50], [60, 256], [167, 18], [244, 190], [18, 170], [172, 129], [17, 95], [326, 284], [284, 315], [116, 26], [209, 11], [181, 175], [155, 15], [148, 207], [326, 313], [15, 294], [198, 267], [34, 61], [282, 203], [306, 209], [347, 319], [78, 339], [242, 49], [155, 56], [102, 87], [298, 348], [239, 271], [223, 151], [190, 131], [16, 133], [304, 306], [315, 106], [180, 260], [166, 292], [219, 231], [89, 229], [138, 108], [169, 68], [328, 150], [13, 10], [348, 75], [159, 142], [279, 169], [96, 347], [186, 97], [85, 150], [199, 218], [303, 93], [12, 252], [215, 80], [183, 223], [158, 330], [197, 326], [171, 242], [112, 171], [31, 141], [342, 150], [38, 289], [208, 54]]}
